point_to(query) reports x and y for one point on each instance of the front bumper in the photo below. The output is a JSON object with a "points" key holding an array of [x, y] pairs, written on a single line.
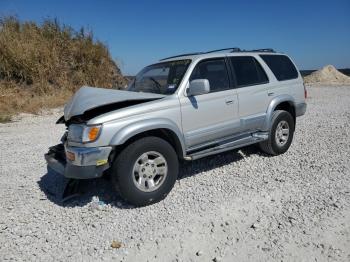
{"points": [[87, 162]]}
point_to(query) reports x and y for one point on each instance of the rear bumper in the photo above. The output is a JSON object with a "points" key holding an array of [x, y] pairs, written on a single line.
{"points": [[87, 163], [300, 109]]}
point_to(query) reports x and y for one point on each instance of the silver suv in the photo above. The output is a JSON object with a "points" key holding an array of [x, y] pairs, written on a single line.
{"points": [[183, 107]]}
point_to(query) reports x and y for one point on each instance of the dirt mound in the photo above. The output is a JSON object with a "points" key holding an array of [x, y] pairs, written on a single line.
{"points": [[327, 75]]}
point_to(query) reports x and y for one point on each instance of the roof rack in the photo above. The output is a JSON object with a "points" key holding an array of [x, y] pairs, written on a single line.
{"points": [[233, 50], [270, 50], [197, 53]]}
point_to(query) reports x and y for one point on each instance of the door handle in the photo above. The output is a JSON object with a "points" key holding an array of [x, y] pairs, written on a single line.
{"points": [[229, 102], [270, 94]]}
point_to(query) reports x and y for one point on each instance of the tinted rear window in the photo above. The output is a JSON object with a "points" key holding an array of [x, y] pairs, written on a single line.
{"points": [[281, 66], [248, 71]]}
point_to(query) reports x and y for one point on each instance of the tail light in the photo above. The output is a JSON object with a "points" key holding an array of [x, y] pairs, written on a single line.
{"points": [[305, 91]]}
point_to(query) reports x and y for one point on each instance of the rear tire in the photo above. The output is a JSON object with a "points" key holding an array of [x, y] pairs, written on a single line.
{"points": [[280, 134], [145, 171]]}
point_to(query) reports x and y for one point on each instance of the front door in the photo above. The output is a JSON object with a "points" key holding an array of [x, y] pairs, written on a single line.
{"points": [[212, 116]]}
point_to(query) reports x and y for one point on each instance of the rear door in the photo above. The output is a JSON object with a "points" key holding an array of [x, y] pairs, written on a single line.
{"points": [[211, 116], [252, 89]]}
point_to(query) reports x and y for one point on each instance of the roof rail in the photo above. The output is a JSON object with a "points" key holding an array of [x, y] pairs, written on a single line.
{"points": [[233, 49], [263, 50], [197, 53]]}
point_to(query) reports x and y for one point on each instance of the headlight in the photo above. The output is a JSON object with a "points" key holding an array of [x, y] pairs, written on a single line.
{"points": [[83, 133], [91, 133]]}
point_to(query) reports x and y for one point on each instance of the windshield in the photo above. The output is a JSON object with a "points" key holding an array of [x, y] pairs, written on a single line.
{"points": [[162, 78]]}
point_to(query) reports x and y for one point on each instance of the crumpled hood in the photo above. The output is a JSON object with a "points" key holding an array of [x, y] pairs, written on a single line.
{"points": [[87, 98]]}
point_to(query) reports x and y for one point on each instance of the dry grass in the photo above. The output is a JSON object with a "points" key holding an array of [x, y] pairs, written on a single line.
{"points": [[42, 65], [15, 100]]}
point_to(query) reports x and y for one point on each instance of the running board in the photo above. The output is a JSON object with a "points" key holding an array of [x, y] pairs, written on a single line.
{"points": [[229, 145]]}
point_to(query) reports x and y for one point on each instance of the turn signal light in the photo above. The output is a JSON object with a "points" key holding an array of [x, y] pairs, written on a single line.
{"points": [[93, 133]]}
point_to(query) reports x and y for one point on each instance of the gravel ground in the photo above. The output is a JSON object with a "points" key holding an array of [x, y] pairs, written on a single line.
{"points": [[237, 206]]}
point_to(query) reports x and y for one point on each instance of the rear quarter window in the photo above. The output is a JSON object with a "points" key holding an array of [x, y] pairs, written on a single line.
{"points": [[281, 66]]}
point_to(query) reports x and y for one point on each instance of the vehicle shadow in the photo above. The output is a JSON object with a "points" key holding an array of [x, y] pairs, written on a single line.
{"points": [[53, 184], [192, 168]]}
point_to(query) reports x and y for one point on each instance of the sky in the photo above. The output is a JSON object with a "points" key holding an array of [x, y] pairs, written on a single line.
{"points": [[138, 33]]}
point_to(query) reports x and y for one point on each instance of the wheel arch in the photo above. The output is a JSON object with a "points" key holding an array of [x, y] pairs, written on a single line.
{"points": [[162, 128], [282, 102]]}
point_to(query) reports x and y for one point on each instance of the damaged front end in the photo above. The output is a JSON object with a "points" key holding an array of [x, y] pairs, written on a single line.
{"points": [[78, 162], [73, 158], [90, 102]]}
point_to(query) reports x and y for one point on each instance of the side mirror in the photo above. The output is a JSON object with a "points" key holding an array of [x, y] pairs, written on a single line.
{"points": [[198, 87]]}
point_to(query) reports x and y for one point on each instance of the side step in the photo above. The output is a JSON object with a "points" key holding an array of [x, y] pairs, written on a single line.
{"points": [[229, 145]]}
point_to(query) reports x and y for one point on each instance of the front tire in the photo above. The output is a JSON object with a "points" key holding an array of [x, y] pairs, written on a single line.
{"points": [[145, 171], [280, 134]]}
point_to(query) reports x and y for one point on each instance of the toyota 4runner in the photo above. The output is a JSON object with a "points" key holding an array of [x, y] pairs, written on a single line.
{"points": [[183, 107]]}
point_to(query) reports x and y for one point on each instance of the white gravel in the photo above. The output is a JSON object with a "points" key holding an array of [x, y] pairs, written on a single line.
{"points": [[237, 206]]}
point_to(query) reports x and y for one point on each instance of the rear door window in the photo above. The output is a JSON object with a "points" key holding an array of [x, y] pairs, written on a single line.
{"points": [[281, 66], [248, 71]]}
